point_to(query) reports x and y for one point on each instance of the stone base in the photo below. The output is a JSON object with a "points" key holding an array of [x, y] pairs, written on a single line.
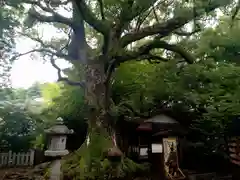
{"points": [[56, 153]]}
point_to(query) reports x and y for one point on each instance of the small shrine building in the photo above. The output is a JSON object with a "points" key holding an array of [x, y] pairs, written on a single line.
{"points": [[154, 140]]}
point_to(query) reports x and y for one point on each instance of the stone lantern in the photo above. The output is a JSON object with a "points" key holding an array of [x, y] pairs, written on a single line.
{"points": [[57, 135]]}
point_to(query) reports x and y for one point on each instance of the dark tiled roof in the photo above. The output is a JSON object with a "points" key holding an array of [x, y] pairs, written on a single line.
{"points": [[162, 119]]}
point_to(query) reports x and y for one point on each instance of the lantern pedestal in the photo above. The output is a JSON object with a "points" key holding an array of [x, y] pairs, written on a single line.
{"points": [[57, 147], [55, 170]]}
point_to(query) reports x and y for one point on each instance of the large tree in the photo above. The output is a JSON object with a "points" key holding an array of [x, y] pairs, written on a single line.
{"points": [[102, 35]]}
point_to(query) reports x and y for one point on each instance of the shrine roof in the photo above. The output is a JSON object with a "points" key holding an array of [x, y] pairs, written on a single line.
{"points": [[161, 119]]}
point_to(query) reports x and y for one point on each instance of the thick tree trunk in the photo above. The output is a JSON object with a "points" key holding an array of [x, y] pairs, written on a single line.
{"points": [[96, 90], [99, 156], [98, 98], [99, 153]]}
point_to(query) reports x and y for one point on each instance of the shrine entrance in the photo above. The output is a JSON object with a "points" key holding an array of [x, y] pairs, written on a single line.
{"points": [[163, 135]]}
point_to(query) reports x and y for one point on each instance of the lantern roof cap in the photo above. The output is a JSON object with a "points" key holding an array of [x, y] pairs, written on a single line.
{"points": [[59, 128], [59, 121]]}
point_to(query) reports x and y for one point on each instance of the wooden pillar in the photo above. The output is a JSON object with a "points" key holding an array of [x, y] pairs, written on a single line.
{"points": [[157, 161], [180, 150], [236, 173]]}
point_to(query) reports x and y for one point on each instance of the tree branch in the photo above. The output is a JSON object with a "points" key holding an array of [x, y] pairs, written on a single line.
{"points": [[183, 33], [109, 72], [153, 58], [100, 26], [100, 2], [52, 60], [41, 50], [58, 3], [60, 78], [235, 11], [141, 19], [4, 43], [166, 28], [129, 12], [144, 51], [48, 48], [155, 15], [150, 57], [55, 17]]}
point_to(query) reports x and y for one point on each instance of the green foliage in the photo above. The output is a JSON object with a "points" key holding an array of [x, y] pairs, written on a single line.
{"points": [[49, 92], [219, 43], [47, 174], [207, 89], [20, 122], [208, 92], [17, 129], [90, 161], [10, 17], [131, 82], [63, 99], [30, 21], [66, 102], [216, 89]]}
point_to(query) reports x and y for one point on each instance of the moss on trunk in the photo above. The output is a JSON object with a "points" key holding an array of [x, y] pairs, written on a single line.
{"points": [[91, 160]]}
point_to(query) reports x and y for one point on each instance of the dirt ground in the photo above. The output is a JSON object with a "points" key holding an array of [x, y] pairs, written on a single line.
{"points": [[13, 173]]}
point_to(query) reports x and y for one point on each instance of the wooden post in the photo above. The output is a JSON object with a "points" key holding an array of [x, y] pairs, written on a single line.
{"points": [[31, 157], [236, 173], [5, 159], [14, 158], [10, 158], [1, 159], [27, 162], [18, 159]]}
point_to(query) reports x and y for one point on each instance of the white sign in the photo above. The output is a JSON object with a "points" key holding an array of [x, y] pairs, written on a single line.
{"points": [[157, 148], [143, 151]]}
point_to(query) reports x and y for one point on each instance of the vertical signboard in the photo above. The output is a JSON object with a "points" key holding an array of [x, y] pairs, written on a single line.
{"points": [[170, 155], [234, 146], [234, 143]]}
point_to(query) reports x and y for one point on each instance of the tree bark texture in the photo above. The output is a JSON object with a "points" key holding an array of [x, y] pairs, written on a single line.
{"points": [[97, 98]]}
